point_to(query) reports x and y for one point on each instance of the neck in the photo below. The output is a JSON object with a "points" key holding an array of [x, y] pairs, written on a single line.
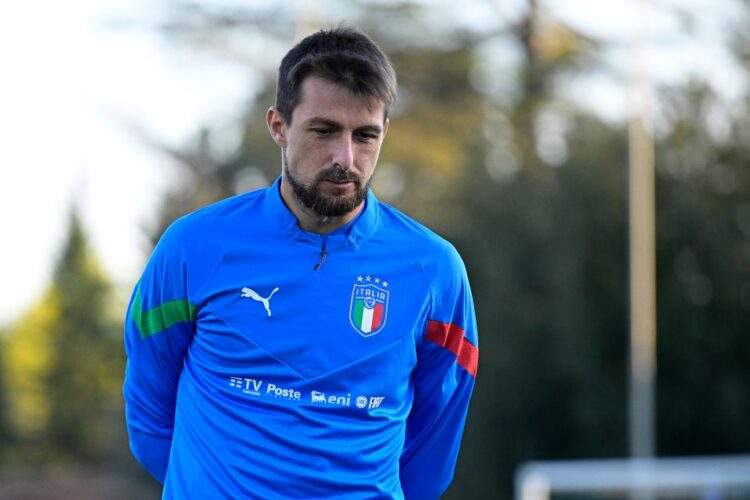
{"points": [[311, 221]]}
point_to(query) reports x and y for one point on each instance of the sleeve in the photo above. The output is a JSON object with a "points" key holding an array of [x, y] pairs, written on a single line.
{"points": [[442, 380], [159, 328]]}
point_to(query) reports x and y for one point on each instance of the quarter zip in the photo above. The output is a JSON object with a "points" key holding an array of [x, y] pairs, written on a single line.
{"points": [[323, 255]]}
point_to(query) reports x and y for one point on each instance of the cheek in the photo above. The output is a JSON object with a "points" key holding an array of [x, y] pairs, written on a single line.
{"points": [[369, 156], [305, 157], [310, 148]]}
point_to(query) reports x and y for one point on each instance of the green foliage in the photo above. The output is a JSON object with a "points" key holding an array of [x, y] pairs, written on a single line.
{"points": [[5, 435], [65, 364], [28, 357], [704, 279], [88, 365]]}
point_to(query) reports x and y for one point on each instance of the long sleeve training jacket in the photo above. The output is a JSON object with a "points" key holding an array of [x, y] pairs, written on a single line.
{"points": [[268, 362]]}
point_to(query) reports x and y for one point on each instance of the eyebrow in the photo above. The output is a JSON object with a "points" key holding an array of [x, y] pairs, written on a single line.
{"points": [[319, 120]]}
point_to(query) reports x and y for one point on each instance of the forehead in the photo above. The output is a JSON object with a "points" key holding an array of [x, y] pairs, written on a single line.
{"points": [[324, 99]]}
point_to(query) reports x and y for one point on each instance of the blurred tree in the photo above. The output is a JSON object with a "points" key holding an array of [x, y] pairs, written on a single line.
{"points": [[5, 435], [28, 360], [85, 376], [704, 275], [65, 365]]}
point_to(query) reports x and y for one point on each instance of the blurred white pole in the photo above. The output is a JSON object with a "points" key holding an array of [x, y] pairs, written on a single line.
{"points": [[642, 249]]}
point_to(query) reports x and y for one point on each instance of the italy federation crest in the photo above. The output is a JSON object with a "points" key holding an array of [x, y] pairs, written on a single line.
{"points": [[369, 307]]}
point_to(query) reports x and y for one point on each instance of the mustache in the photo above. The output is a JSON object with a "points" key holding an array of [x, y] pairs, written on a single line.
{"points": [[338, 174]]}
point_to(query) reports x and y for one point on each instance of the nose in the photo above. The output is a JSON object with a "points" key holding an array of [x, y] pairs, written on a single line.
{"points": [[343, 155]]}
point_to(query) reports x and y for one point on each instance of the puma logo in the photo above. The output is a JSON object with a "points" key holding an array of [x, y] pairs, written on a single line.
{"points": [[249, 292]]}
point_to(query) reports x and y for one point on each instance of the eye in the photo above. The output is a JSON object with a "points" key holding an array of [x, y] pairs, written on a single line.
{"points": [[367, 137], [322, 132]]}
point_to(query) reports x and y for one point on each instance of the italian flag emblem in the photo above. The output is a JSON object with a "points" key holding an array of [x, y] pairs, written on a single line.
{"points": [[368, 309]]}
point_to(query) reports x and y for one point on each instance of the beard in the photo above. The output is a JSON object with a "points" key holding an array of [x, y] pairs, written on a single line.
{"points": [[327, 205]]}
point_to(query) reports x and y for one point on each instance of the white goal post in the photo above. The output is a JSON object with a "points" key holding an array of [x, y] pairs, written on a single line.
{"points": [[684, 478]]}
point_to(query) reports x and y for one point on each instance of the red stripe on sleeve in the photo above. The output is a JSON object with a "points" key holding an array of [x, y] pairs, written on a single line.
{"points": [[452, 338], [469, 357]]}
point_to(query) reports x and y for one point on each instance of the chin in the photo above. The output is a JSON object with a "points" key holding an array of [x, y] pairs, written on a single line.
{"points": [[338, 193]]}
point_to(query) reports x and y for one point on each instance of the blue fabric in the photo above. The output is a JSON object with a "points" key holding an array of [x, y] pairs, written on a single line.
{"points": [[291, 397]]}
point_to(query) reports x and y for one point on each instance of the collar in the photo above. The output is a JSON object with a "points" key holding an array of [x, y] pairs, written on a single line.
{"points": [[362, 228]]}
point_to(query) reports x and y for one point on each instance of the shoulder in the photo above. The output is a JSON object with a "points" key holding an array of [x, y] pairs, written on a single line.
{"points": [[228, 210], [440, 265], [207, 223], [194, 245], [427, 247], [201, 238]]}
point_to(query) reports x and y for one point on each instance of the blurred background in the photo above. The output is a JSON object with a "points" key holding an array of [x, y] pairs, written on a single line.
{"points": [[509, 138]]}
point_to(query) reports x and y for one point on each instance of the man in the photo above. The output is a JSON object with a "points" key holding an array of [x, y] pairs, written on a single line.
{"points": [[305, 340]]}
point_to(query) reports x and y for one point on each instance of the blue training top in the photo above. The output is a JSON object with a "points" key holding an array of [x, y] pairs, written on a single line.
{"points": [[262, 364]]}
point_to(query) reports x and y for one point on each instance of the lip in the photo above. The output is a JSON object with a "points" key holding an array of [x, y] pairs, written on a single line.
{"points": [[338, 183]]}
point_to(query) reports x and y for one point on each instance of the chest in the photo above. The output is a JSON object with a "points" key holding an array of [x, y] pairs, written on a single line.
{"points": [[269, 308]]}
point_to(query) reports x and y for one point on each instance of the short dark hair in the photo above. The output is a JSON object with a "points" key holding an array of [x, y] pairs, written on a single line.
{"points": [[342, 55]]}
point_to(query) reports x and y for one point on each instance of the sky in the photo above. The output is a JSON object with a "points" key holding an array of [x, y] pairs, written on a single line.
{"points": [[75, 77], [72, 85]]}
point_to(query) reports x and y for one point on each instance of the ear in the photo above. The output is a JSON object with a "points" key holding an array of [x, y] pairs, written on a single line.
{"points": [[276, 126], [385, 127]]}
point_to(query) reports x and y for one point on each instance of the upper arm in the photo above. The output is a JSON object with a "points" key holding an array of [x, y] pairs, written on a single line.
{"points": [[443, 380]]}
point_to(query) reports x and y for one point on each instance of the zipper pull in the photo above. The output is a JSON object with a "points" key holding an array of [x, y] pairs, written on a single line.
{"points": [[323, 254]]}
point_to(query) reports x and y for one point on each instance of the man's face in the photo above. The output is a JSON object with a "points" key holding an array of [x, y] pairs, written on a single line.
{"points": [[330, 149]]}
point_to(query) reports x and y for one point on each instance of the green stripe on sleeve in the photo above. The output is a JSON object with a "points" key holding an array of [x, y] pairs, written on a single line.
{"points": [[159, 318]]}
